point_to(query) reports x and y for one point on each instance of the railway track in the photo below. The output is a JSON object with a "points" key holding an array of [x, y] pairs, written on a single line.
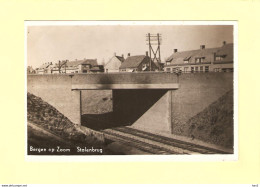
{"points": [[156, 144]]}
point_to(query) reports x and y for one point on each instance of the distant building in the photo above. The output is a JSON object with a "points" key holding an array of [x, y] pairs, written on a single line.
{"points": [[137, 64], [114, 63], [45, 68], [202, 60], [77, 66], [30, 70], [97, 69]]}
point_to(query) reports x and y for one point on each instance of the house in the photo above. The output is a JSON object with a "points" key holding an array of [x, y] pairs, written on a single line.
{"points": [[137, 63], [79, 66], [97, 69], [45, 68], [30, 70], [114, 63], [65, 66], [201, 60], [223, 59]]}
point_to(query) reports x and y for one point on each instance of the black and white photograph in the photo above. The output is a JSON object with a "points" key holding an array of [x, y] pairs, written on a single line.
{"points": [[130, 88]]}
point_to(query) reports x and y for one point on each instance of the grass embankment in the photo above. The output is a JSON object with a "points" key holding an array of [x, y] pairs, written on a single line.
{"points": [[96, 102], [47, 117], [214, 124]]}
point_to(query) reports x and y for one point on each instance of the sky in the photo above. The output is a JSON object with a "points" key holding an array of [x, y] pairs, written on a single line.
{"points": [[54, 43]]}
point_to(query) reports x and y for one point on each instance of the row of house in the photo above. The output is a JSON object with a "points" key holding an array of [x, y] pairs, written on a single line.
{"points": [[219, 59], [202, 60], [77, 66]]}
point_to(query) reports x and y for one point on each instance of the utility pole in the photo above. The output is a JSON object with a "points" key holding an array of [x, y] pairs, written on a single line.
{"points": [[65, 65], [150, 66], [59, 66], [154, 39]]}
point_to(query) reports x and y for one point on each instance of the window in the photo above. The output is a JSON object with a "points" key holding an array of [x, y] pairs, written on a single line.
{"points": [[217, 70], [186, 60], [219, 58], [168, 69], [206, 68], [200, 59], [192, 69], [201, 68], [186, 69], [196, 69]]}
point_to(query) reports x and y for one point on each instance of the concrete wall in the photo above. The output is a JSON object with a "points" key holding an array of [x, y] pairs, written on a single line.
{"points": [[124, 78], [131, 106]]}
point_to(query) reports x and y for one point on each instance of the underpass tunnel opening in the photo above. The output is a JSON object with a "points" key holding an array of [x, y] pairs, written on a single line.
{"points": [[102, 109]]}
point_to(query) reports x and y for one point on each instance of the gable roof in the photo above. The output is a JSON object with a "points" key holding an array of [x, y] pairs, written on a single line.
{"points": [[207, 54], [180, 57], [132, 61], [92, 62], [114, 62], [226, 51], [122, 59]]}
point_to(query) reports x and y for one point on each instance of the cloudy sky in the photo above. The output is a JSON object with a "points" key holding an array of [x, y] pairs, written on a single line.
{"points": [[53, 43]]}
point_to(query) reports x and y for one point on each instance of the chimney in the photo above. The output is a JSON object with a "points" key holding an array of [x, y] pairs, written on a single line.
{"points": [[175, 50], [122, 55], [224, 42], [76, 59], [146, 53], [114, 54], [202, 47], [128, 54]]}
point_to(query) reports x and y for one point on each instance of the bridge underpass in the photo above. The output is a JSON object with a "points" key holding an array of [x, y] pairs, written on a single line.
{"points": [[159, 103], [141, 104]]}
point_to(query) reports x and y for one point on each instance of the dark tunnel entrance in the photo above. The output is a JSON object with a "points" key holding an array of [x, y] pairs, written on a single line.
{"points": [[102, 109]]}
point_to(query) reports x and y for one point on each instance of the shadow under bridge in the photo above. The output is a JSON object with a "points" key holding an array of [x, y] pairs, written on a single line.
{"points": [[140, 99]]}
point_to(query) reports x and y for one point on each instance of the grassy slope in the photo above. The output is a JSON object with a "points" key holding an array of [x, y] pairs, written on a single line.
{"points": [[96, 102], [214, 124], [48, 117]]}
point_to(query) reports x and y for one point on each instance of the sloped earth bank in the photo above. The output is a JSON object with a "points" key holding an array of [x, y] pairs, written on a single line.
{"points": [[213, 125], [48, 123]]}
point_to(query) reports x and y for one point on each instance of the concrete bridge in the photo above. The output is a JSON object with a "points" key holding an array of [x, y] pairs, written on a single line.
{"points": [[150, 101]]}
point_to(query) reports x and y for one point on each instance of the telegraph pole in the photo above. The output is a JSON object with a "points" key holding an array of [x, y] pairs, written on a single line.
{"points": [[150, 66], [154, 39]]}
